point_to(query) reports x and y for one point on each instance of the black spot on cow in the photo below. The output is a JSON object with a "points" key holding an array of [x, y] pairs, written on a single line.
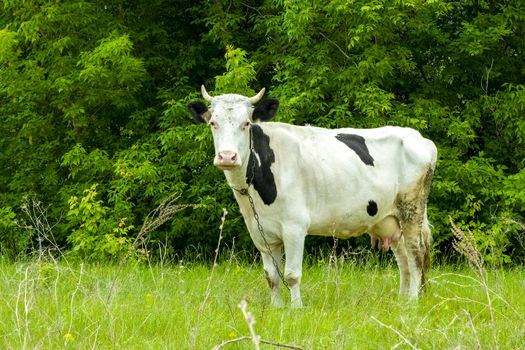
{"points": [[371, 208], [258, 172], [358, 145]]}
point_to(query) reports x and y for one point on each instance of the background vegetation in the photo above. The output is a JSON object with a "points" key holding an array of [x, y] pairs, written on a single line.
{"points": [[94, 131]]}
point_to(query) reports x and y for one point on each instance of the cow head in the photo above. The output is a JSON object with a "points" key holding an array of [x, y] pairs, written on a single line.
{"points": [[230, 117]]}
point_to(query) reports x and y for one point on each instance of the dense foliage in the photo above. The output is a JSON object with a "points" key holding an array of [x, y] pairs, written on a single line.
{"points": [[95, 131]]}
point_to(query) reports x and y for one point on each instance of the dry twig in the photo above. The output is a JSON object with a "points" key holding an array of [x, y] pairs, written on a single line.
{"points": [[210, 278], [262, 341], [164, 212], [38, 224], [465, 244], [396, 332], [256, 339]]}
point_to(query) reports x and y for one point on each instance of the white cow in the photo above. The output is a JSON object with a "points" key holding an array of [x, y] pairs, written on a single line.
{"points": [[309, 180]]}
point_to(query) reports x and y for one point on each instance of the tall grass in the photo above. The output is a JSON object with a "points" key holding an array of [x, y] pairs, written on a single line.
{"points": [[351, 302], [53, 305]]}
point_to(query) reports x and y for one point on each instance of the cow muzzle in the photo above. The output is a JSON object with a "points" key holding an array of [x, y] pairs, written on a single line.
{"points": [[226, 160]]}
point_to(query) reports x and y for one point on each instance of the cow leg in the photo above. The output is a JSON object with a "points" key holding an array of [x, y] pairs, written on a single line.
{"points": [[426, 240], [416, 232], [418, 257], [417, 237], [293, 249], [271, 272], [400, 252]]}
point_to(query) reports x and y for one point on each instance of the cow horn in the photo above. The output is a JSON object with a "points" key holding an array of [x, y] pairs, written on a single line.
{"points": [[205, 94], [257, 97]]}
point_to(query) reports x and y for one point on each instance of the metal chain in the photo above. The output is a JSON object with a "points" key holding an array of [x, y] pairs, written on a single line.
{"points": [[261, 231], [245, 192]]}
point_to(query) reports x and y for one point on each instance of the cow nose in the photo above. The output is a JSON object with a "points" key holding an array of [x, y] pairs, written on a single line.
{"points": [[226, 158]]}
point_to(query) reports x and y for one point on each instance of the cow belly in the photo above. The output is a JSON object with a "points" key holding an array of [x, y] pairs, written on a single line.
{"points": [[338, 232], [387, 227], [340, 226]]}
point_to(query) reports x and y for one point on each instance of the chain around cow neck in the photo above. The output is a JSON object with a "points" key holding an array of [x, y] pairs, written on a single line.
{"points": [[245, 192]]}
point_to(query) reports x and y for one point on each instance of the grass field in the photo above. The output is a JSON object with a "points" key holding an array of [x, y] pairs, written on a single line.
{"points": [[46, 305]]}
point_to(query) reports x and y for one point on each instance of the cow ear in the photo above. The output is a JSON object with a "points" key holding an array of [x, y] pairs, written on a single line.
{"points": [[265, 110], [199, 111]]}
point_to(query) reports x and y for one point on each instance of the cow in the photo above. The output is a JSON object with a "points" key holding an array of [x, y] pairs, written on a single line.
{"points": [[292, 181]]}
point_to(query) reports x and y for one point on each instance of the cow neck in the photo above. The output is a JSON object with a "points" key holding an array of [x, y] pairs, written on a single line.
{"points": [[237, 178], [256, 171]]}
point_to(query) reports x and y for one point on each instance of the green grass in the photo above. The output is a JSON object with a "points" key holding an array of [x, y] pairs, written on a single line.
{"points": [[51, 306]]}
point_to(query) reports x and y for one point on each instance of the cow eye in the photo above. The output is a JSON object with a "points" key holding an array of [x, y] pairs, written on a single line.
{"points": [[213, 124], [245, 124]]}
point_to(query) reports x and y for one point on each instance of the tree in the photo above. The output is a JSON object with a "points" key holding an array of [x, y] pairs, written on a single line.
{"points": [[94, 93]]}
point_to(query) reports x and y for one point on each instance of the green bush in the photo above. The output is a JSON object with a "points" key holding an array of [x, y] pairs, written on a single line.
{"points": [[94, 235], [14, 241], [94, 92]]}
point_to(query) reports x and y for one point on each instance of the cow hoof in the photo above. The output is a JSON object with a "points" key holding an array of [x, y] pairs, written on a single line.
{"points": [[297, 304], [277, 303]]}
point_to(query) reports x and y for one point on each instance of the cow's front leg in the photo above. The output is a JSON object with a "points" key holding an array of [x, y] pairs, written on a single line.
{"points": [[293, 250], [272, 262]]}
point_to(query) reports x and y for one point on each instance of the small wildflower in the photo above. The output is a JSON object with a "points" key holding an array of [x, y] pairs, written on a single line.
{"points": [[68, 337]]}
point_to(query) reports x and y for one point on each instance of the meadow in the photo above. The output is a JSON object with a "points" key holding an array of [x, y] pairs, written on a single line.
{"points": [[191, 305]]}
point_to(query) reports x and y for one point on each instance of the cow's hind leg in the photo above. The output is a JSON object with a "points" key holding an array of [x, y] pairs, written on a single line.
{"points": [[417, 242], [415, 262], [412, 211], [389, 233], [272, 265], [401, 255], [426, 238]]}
